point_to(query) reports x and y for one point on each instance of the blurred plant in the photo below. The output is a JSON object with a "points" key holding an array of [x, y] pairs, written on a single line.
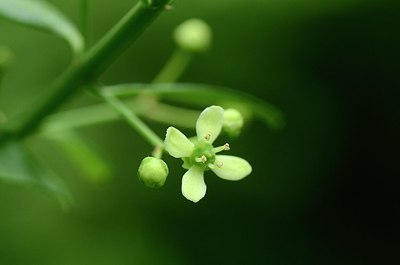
{"points": [[127, 102]]}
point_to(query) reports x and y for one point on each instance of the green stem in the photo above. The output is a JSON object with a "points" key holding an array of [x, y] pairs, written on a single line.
{"points": [[157, 152], [5, 58], [85, 21], [131, 118], [93, 63], [1, 76], [202, 95], [175, 67], [101, 113]]}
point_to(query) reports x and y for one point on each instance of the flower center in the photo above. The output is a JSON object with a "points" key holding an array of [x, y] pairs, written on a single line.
{"points": [[203, 155]]}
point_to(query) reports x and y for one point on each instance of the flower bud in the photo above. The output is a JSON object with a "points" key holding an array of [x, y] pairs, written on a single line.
{"points": [[193, 35], [153, 172], [233, 122]]}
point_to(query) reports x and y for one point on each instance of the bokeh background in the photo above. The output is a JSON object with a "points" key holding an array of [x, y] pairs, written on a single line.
{"points": [[323, 190]]}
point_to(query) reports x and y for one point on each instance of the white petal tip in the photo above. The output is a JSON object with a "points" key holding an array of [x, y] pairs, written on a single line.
{"points": [[193, 186], [193, 200]]}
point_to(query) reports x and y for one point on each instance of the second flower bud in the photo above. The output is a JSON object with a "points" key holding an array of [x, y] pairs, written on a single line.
{"points": [[153, 172]]}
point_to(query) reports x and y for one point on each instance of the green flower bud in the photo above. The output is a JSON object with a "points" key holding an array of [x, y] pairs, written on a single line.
{"points": [[193, 35], [153, 172], [233, 122]]}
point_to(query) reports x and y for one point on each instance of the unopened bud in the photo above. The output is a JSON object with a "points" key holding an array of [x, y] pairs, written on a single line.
{"points": [[193, 35], [233, 122], [153, 172]]}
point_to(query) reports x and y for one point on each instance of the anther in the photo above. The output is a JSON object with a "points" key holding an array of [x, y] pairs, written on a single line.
{"points": [[219, 164], [201, 159], [224, 147]]}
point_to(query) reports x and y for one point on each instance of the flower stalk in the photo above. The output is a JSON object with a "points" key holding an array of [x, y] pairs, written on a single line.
{"points": [[90, 66], [132, 119], [84, 18]]}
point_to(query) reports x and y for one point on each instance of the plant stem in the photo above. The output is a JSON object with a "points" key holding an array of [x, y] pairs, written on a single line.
{"points": [[174, 68], [131, 118], [92, 64], [1, 76], [202, 95], [85, 21], [5, 58], [101, 113]]}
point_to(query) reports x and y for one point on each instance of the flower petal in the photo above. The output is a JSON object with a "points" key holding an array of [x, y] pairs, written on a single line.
{"points": [[177, 144], [231, 167], [209, 123], [193, 185]]}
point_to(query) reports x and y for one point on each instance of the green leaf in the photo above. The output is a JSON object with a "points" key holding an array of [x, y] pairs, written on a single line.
{"points": [[204, 95], [100, 113], [44, 16], [85, 155], [189, 94], [18, 166]]}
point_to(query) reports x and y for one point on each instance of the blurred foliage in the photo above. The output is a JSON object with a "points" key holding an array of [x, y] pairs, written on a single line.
{"points": [[319, 61], [43, 16]]}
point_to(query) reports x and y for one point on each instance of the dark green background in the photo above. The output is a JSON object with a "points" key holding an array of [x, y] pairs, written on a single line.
{"points": [[323, 189]]}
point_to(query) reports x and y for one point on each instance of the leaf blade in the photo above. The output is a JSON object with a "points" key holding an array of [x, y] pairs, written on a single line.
{"points": [[44, 16], [85, 155], [204, 95], [17, 166]]}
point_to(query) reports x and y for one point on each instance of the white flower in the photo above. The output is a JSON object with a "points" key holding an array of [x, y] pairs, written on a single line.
{"points": [[201, 155]]}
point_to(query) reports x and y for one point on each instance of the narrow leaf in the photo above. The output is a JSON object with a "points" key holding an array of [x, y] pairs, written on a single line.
{"points": [[85, 155], [18, 166], [189, 94], [44, 16], [204, 95]]}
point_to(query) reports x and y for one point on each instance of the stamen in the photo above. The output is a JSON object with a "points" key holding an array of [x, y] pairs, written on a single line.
{"points": [[225, 147], [218, 164], [207, 137], [201, 159]]}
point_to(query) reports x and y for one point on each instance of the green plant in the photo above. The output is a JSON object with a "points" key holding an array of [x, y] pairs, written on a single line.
{"points": [[162, 100]]}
